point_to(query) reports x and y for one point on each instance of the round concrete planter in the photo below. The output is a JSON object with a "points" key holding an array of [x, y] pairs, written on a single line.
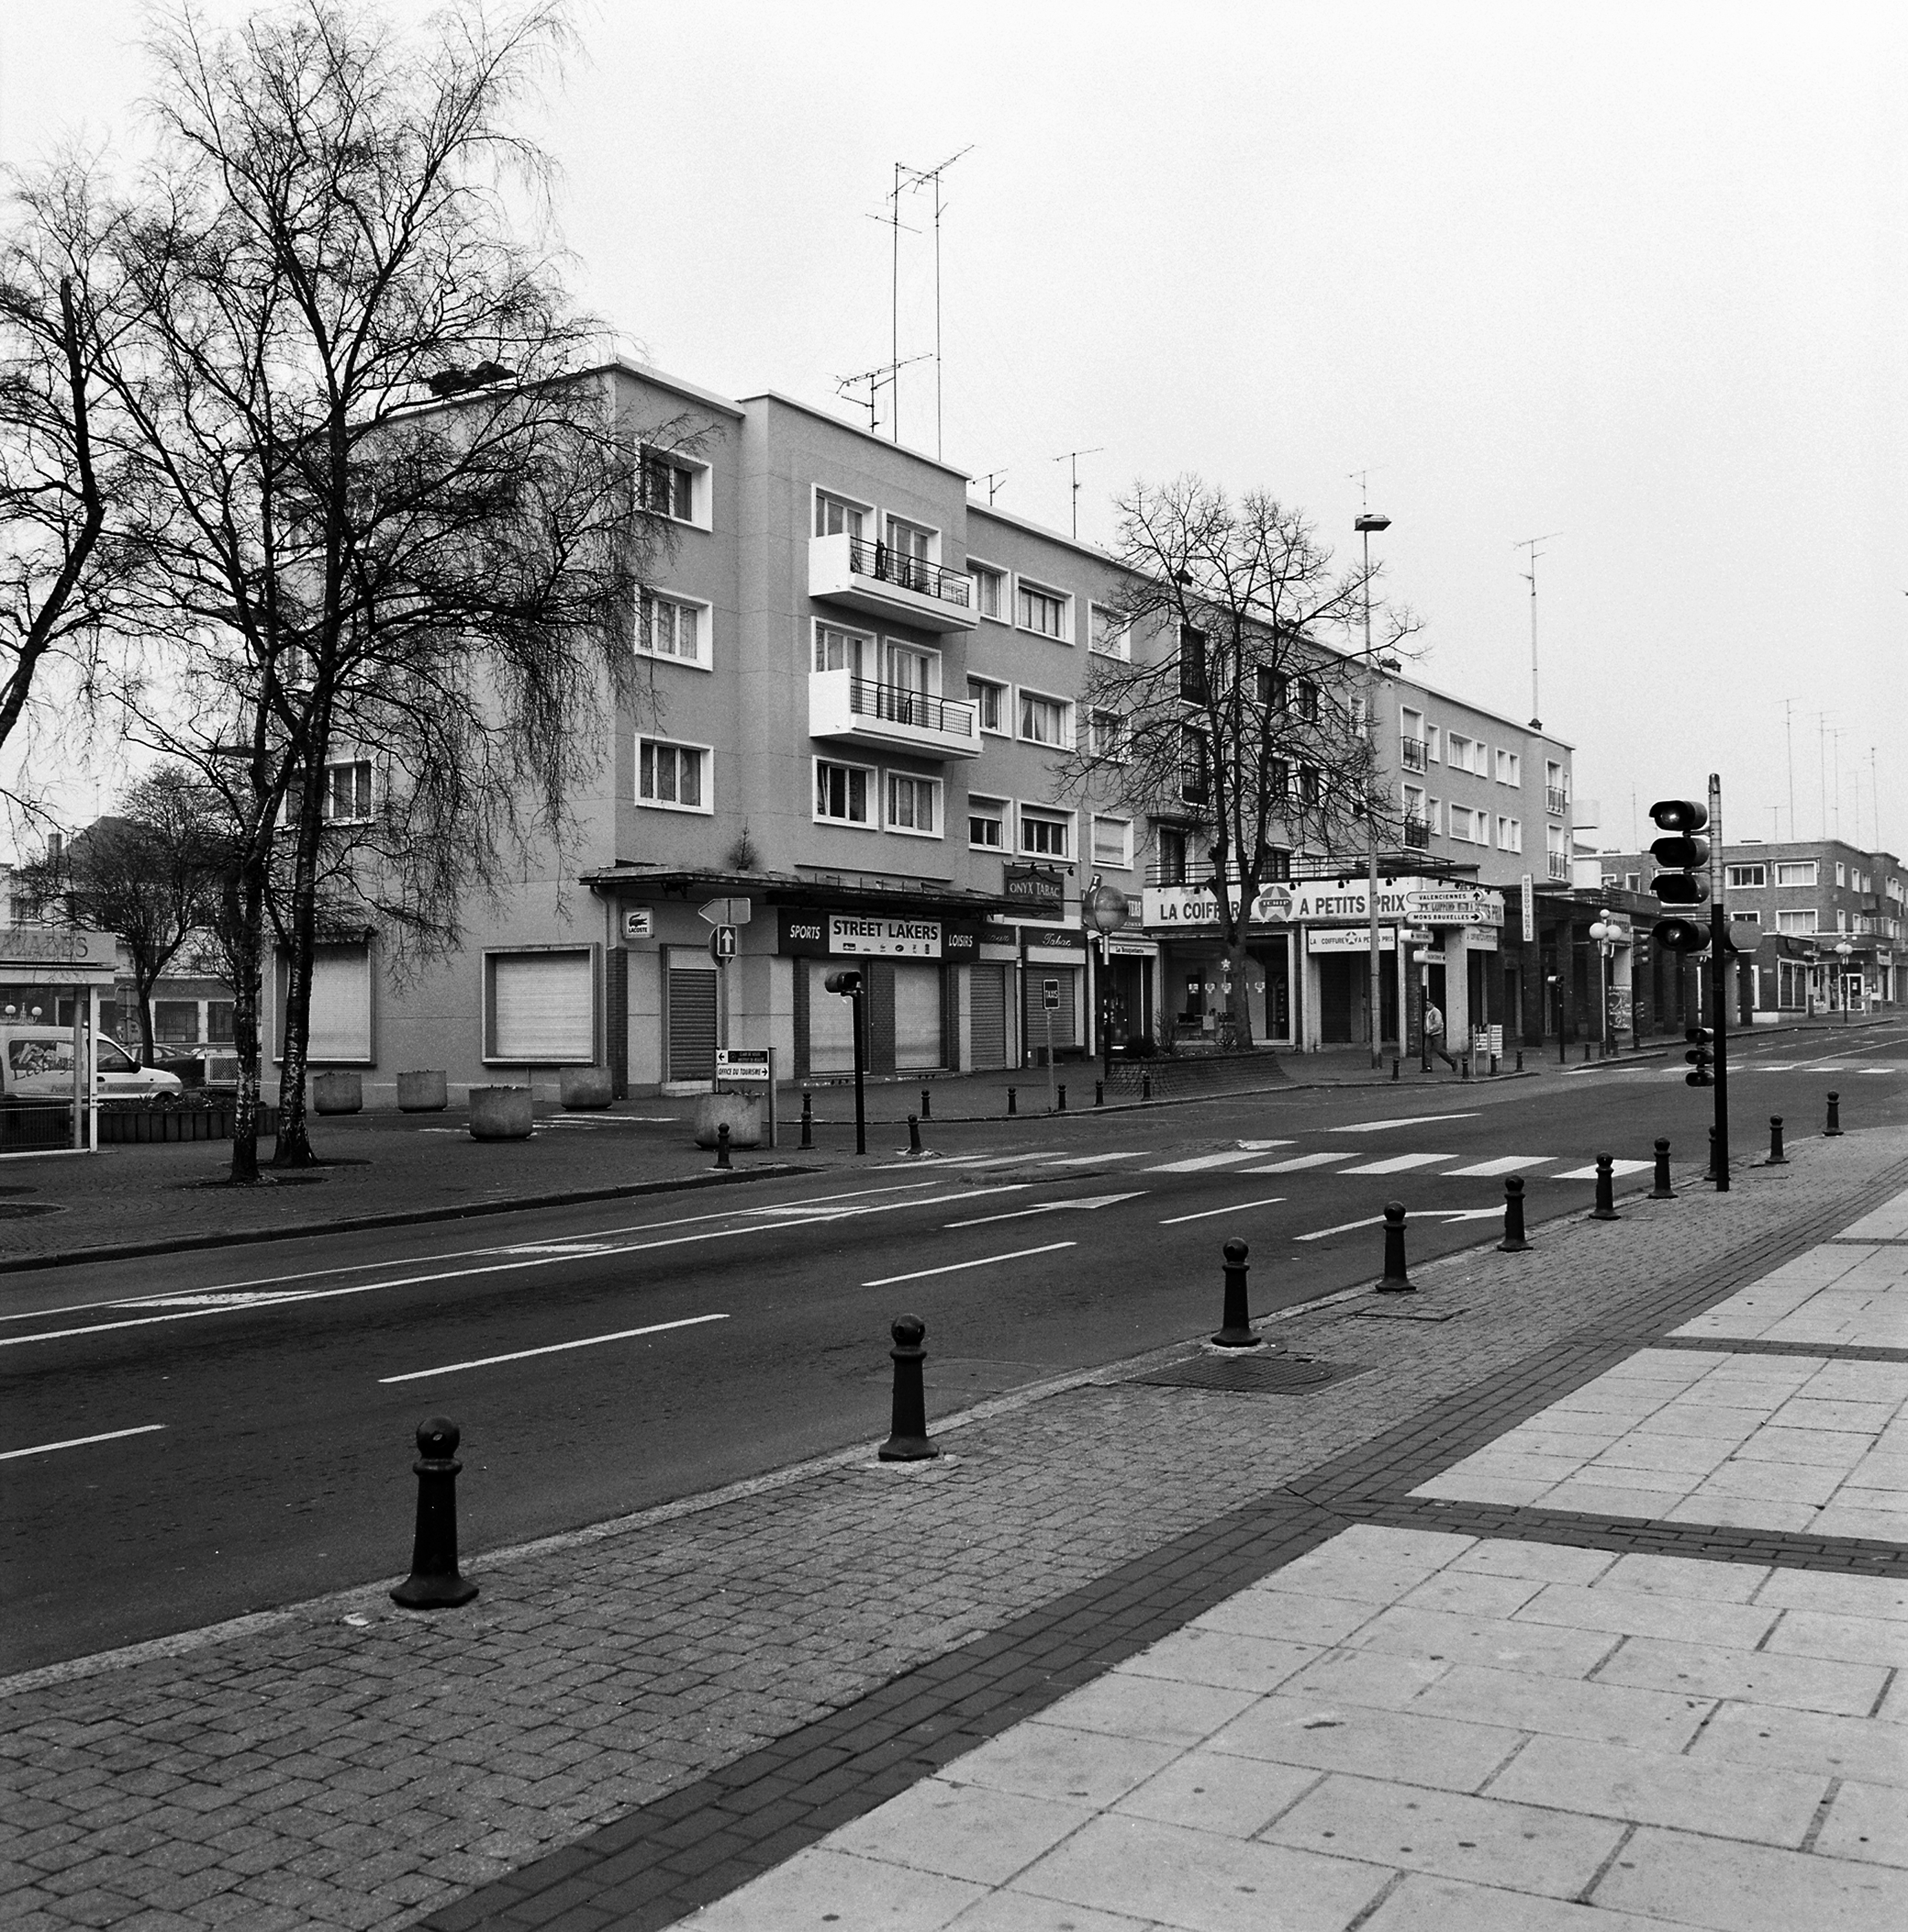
{"points": [[501, 1113], [580, 1087], [422, 1092], [744, 1117], [337, 1093]]}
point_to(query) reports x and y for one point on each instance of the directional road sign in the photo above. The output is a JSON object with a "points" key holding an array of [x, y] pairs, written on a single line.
{"points": [[727, 912]]}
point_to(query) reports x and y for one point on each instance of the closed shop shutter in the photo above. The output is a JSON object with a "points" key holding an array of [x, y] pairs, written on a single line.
{"points": [[831, 1024], [340, 1003], [917, 1017], [542, 1010], [692, 1020], [988, 986], [1064, 1016]]}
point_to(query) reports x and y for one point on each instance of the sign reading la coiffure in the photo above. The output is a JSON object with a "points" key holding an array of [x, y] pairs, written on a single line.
{"points": [[1311, 901]]}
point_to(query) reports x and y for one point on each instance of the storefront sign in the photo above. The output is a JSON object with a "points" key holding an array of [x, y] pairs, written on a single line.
{"points": [[1529, 890], [1038, 891], [824, 935], [961, 944], [1349, 939], [1134, 949], [1057, 948], [1480, 939], [64, 955], [638, 922], [1299, 903]]}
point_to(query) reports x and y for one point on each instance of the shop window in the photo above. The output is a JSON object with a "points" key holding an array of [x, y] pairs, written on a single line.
{"points": [[539, 1006]]}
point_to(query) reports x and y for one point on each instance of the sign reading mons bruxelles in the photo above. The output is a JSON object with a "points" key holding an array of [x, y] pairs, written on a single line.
{"points": [[1335, 901]]}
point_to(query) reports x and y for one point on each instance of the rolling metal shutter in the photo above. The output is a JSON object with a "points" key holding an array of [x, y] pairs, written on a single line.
{"points": [[692, 1021], [1063, 1016], [831, 1024], [988, 988], [917, 1017], [341, 1027], [541, 1008]]}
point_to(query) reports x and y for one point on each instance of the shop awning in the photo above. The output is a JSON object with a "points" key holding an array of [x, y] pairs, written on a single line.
{"points": [[846, 891]]}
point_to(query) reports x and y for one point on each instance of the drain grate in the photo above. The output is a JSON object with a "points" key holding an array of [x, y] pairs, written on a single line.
{"points": [[1259, 1373]]}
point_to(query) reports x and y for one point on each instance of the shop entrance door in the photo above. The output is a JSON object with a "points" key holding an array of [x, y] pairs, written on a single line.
{"points": [[987, 1006], [1338, 988]]}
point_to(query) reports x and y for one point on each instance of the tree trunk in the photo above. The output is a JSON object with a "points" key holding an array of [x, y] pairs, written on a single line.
{"points": [[148, 1047], [293, 1147], [244, 904], [1239, 964]]}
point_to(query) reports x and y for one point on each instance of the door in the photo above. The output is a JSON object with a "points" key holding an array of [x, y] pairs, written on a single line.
{"points": [[1065, 1016], [1336, 985], [987, 1011], [918, 1018], [914, 681], [692, 1018]]}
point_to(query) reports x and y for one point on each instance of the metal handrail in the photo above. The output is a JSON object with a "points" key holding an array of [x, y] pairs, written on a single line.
{"points": [[1417, 832], [1555, 801], [1411, 752], [889, 566], [896, 704], [1560, 865]]}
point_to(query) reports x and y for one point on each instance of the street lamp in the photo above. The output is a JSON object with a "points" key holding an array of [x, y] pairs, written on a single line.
{"points": [[1104, 908], [1844, 952], [1364, 527], [1604, 932]]}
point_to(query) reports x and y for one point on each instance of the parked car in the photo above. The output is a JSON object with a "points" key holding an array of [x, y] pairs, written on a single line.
{"points": [[36, 1063]]}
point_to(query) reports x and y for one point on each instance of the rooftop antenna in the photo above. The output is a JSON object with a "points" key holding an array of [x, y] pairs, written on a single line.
{"points": [[919, 178], [1788, 740], [881, 376], [1822, 758], [1071, 458], [1530, 575], [1874, 801], [1360, 477], [992, 480]]}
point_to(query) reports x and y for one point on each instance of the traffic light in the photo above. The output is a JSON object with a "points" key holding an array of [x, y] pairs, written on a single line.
{"points": [[846, 984], [1682, 856], [1699, 1055]]}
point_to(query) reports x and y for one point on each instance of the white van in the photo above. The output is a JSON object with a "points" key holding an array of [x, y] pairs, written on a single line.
{"points": [[36, 1063]]}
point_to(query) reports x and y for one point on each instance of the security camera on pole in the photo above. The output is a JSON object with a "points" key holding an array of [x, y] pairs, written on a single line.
{"points": [[1685, 858]]}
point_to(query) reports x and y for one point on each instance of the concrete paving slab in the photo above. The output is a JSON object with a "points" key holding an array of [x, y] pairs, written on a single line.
{"points": [[1604, 1713], [1423, 1903], [1211, 1791], [1038, 1758], [1680, 1876], [1868, 1821], [963, 1831], [1715, 1670]]}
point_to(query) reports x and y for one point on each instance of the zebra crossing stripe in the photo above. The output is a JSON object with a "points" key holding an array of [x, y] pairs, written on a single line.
{"points": [[1297, 1163], [1200, 1161], [1510, 1163], [1399, 1163], [1617, 1167]]}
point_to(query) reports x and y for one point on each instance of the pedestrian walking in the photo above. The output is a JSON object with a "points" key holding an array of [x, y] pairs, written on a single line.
{"points": [[1433, 1035]]}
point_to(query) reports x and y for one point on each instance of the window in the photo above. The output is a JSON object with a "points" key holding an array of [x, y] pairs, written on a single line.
{"points": [[1192, 664], [915, 542], [987, 819], [674, 776], [1049, 835], [1430, 751], [1792, 985], [219, 1021], [1432, 822], [673, 488], [836, 516], [989, 701], [1841, 875], [1748, 875], [1464, 755], [1171, 843], [1309, 784], [1462, 818], [842, 650], [913, 670], [1417, 829], [1308, 697], [340, 1010], [1044, 721], [175, 1022], [347, 792], [1195, 769], [1749, 918], [1107, 734], [1279, 778], [1795, 919], [1411, 739], [913, 805], [1801, 873], [841, 793], [1113, 842], [539, 1007], [990, 589], [1632, 881], [1510, 768], [670, 627], [1111, 636], [1510, 835], [1275, 690], [1044, 611]]}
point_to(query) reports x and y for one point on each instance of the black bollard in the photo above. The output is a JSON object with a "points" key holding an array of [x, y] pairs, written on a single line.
{"points": [[1776, 1157], [1013, 1101], [1396, 1281], [1146, 1086], [1235, 1321], [1663, 1191], [722, 1144], [1834, 1130], [1394, 1066], [1520, 1060], [1586, 1053], [926, 1104], [907, 1440], [1060, 1099], [1099, 1092], [434, 1582], [914, 1133], [808, 1118], [1605, 1208], [1513, 1242]]}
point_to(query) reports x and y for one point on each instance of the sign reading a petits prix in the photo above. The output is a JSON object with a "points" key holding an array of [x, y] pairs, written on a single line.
{"points": [[1303, 902]]}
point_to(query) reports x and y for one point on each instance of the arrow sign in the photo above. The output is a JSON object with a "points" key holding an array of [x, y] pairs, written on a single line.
{"points": [[727, 912], [1052, 1206]]}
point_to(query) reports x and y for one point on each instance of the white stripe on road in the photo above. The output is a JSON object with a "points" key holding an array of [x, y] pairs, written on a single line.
{"points": [[1200, 1161], [1509, 1163], [1616, 1167], [1297, 1163], [1088, 1159], [1048, 1207], [985, 1261], [1403, 1121], [81, 1442], [1343, 1228], [553, 1348], [1236, 1208], [1399, 1163]]}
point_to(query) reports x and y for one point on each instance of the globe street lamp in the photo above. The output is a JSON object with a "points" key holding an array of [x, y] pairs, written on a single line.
{"points": [[1104, 908], [1604, 932], [1844, 952]]}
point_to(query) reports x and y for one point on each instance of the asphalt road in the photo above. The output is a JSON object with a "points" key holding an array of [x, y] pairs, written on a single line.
{"points": [[253, 1406]]}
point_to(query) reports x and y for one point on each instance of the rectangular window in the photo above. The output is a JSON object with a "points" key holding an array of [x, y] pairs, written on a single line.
{"points": [[1108, 734], [913, 542], [1802, 873], [341, 1011], [1308, 697], [1044, 721], [842, 650], [1111, 636], [1043, 611], [1431, 751], [913, 805], [1172, 847], [1192, 664], [1310, 790], [989, 700], [1048, 835], [1510, 768], [540, 1007], [841, 793], [668, 487], [1461, 819], [1795, 919], [669, 627], [989, 589], [1433, 822], [1275, 690], [836, 516], [672, 776], [347, 792], [175, 1022], [1738, 917], [987, 820], [1740, 876], [1510, 835], [1113, 842], [1195, 770], [1841, 875], [219, 1022]]}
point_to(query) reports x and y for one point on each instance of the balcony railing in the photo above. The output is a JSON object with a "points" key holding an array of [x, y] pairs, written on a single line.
{"points": [[1417, 833], [895, 704], [1560, 865], [888, 564], [1195, 787], [1411, 752], [1556, 802]]}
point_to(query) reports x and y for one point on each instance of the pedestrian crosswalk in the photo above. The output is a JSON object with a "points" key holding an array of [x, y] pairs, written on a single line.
{"points": [[1247, 1157]]}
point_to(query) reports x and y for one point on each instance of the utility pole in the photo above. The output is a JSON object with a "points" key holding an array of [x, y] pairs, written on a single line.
{"points": [[1366, 525], [1722, 980], [1071, 457], [1530, 543]]}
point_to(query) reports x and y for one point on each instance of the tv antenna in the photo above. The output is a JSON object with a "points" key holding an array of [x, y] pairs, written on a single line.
{"points": [[877, 379], [991, 482], [1360, 477], [909, 180], [1530, 543], [1071, 458]]}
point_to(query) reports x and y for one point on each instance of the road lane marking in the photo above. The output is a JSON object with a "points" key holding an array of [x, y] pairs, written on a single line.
{"points": [[1236, 1208], [985, 1261], [1088, 1159], [1048, 1208], [1509, 1163], [1200, 1161], [1399, 1163], [1616, 1167], [552, 1348], [1403, 1121], [1297, 1163], [81, 1441], [1343, 1228]]}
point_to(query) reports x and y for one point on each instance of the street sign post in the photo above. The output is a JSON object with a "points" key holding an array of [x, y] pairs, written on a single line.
{"points": [[1050, 992], [750, 1066], [722, 945]]}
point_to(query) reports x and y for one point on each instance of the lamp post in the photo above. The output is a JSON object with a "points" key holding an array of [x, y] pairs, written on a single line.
{"points": [[1605, 934], [1844, 952], [1104, 908], [1364, 527]]}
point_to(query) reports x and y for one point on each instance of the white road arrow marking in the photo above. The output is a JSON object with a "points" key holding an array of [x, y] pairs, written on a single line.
{"points": [[1049, 1207], [985, 1261]]}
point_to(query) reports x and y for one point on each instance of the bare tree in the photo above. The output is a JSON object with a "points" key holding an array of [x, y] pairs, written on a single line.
{"points": [[1234, 705], [406, 526]]}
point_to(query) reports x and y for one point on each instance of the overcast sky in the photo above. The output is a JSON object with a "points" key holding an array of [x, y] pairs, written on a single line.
{"points": [[1634, 275]]}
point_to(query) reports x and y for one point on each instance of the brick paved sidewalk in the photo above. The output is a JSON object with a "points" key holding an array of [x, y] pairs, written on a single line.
{"points": [[631, 1721]]}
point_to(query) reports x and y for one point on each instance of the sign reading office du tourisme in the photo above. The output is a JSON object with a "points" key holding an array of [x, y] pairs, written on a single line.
{"points": [[1333, 901]]}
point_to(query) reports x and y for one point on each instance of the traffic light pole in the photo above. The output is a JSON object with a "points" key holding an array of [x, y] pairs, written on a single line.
{"points": [[1719, 976]]}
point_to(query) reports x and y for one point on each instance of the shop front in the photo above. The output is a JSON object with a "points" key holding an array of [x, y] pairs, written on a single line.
{"points": [[909, 971]]}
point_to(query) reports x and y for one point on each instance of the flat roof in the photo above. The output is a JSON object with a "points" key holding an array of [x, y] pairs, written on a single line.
{"points": [[855, 429]]}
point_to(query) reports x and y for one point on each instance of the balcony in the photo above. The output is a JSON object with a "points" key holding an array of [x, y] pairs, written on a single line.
{"points": [[856, 711], [1411, 752], [1560, 865], [1556, 802], [882, 582], [1417, 834]]}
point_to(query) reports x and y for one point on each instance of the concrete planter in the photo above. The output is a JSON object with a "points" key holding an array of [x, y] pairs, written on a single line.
{"points": [[502, 1114], [337, 1093], [422, 1093], [744, 1115], [580, 1087]]}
